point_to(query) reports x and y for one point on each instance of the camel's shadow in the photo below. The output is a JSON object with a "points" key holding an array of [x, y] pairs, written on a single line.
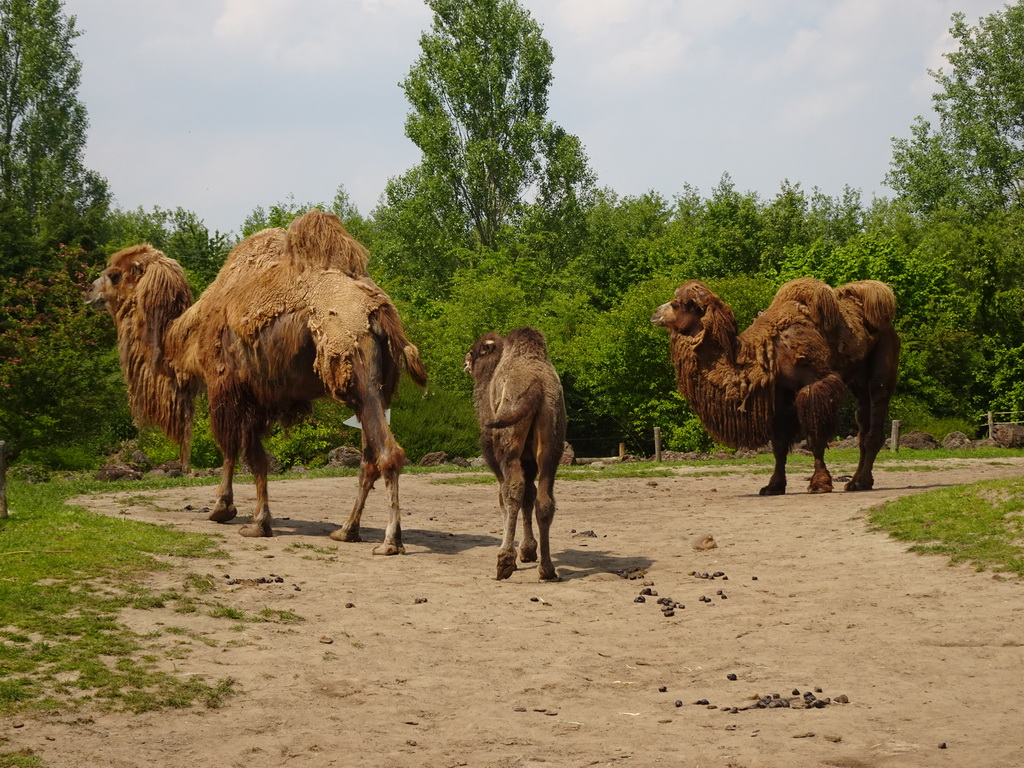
{"points": [[581, 563], [439, 542]]}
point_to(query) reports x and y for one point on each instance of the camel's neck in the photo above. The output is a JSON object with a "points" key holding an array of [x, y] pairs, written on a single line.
{"points": [[733, 397]]}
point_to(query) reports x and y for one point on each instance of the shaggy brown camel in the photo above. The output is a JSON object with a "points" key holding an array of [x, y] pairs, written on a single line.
{"points": [[789, 369], [292, 316], [521, 410]]}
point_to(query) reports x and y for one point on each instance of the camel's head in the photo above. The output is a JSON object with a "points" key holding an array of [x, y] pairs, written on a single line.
{"points": [[685, 313], [118, 282], [483, 355]]}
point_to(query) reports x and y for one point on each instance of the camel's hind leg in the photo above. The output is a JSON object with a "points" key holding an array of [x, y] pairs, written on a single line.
{"points": [[817, 406], [528, 542], [545, 515], [873, 410], [512, 489], [260, 525]]}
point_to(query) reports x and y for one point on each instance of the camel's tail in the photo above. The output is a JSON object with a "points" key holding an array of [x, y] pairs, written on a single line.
{"points": [[876, 299], [318, 240], [401, 347], [526, 406]]}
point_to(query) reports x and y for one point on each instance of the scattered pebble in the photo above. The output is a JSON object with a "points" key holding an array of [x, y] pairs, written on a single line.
{"points": [[419, 600], [679, 703], [350, 605]]}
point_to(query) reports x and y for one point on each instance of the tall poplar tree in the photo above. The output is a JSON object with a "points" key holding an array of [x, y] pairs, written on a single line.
{"points": [[47, 196], [479, 96]]}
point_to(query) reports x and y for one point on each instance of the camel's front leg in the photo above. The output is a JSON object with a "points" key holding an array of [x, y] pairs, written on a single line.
{"points": [[259, 526], [818, 405], [225, 511], [784, 430], [367, 477]]}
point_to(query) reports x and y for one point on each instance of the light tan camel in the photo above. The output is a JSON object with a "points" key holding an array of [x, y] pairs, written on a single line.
{"points": [[789, 369], [292, 316], [521, 410]]}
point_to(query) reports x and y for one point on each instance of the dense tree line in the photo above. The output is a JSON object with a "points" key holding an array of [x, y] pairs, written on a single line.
{"points": [[503, 223]]}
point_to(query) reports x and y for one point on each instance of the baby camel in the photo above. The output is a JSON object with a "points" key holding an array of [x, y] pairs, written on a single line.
{"points": [[521, 410]]}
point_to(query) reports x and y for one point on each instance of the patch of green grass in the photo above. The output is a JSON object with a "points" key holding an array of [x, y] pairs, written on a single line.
{"points": [[982, 523], [65, 574]]}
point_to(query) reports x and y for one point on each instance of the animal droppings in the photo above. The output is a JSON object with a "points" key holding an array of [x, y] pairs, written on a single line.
{"points": [[640, 599], [679, 703], [663, 689], [796, 692], [420, 600], [667, 612], [702, 702], [730, 676], [534, 599], [942, 745], [753, 578], [647, 591], [350, 605], [519, 709]]}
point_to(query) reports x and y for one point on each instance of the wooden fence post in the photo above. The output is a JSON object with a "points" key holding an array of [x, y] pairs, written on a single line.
{"points": [[991, 424], [657, 444], [894, 439], [622, 450], [3, 480]]}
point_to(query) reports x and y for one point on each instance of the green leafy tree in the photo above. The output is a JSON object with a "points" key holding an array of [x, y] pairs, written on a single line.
{"points": [[47, 196], [180, 233], [491, 159], [974, 157], [62, 399]]}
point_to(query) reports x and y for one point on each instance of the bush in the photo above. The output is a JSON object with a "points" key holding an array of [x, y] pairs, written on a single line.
{"points": [[435, 421]]}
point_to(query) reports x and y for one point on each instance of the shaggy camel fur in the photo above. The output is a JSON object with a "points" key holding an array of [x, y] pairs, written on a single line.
{"points": [[519, 405], [293, 316], [789, 369]]}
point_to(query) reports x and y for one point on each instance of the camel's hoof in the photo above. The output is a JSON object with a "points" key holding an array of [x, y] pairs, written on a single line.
{"points": [[389, 549], [223, 514], [858, 485], [819, 489], [528, 554], [506, 567], [256, 531], [548, 574], [345, 534], [772, 490]]}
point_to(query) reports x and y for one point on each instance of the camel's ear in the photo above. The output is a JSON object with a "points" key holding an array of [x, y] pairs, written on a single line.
{"points": [[488, 347]]}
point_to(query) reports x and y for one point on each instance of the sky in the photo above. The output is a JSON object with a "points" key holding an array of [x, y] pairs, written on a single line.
{"points": [[220, 106]]}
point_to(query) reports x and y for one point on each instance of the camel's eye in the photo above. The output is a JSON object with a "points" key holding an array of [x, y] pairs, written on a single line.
{"points": [[674, 304], [114, 277]]}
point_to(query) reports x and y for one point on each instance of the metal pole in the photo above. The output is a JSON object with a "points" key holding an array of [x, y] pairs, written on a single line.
{"points": [[657, 444], [894, 439]]}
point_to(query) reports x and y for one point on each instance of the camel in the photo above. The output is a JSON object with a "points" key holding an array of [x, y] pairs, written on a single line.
{"points": [[521, 410], [789, 369], [292, 316]]}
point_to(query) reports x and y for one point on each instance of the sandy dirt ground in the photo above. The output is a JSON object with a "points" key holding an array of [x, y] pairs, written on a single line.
{"points": [[427, 660]]}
